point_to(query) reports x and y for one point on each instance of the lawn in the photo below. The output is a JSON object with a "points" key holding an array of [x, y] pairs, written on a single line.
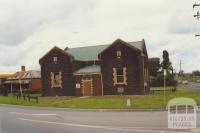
{"points": [[190, 78], [151, 101]]}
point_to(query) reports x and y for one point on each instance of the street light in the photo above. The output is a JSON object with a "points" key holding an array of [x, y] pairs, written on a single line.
{"points": [[196, 15], [197, 35], [195, 4]]}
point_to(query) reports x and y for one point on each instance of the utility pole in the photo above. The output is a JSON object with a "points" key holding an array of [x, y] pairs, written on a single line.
{"points": [[181, 68]]}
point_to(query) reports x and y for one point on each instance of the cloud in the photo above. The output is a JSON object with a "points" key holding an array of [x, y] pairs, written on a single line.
{"points": [[28, 29]]}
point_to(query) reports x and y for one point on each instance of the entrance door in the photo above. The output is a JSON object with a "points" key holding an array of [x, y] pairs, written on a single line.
{"points": [[87, 85]]}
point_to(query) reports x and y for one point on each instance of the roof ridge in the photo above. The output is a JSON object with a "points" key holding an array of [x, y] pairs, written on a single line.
{"points": [[88, 46], [98, 45], [135, 41], [90, 53]]}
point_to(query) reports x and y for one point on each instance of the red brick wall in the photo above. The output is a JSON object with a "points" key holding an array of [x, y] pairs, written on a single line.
{"points": [[96, 81], [36, 84]]}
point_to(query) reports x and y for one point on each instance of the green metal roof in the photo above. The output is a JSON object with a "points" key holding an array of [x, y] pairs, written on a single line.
{"points": [[138, 45], [90, 53], [88, 70], [86, 53]]}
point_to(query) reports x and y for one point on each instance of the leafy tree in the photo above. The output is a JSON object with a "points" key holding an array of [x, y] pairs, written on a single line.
{"points": [[196, 73], [166, 64], [154, 66], [181, 73]]}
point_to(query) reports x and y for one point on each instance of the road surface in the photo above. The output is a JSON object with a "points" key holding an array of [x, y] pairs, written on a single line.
{"points": [[193, 87], [16, 119]]}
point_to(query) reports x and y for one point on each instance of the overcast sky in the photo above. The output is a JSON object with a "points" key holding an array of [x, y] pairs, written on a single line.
{"points": [[30, 28]]}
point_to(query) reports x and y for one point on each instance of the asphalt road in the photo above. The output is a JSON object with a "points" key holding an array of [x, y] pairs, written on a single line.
{"points": [[15, 119], [193, 87]]}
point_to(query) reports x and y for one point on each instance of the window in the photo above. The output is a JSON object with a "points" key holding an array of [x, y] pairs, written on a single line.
{"points": [[87, 77], [119, 76], [119, 54], [56, 80], [55, 60]]}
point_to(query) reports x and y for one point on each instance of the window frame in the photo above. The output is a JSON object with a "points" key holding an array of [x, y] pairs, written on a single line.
{"points": [[53, 79], [119, 54], [120, 81], [123, 76]]}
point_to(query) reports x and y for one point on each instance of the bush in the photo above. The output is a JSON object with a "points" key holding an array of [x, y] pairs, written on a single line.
{"points": [[159, 81]]}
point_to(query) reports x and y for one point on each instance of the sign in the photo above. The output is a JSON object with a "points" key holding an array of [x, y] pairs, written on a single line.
{"points": [[165, 72], [78, 85], [120, 89], [183, 114], [145, 84]]}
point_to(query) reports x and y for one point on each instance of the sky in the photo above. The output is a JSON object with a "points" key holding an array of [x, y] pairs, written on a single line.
{"points": [[30, 28]]}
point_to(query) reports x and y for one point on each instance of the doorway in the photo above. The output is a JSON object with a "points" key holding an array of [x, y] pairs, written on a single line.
{"points": [[87, 85]]}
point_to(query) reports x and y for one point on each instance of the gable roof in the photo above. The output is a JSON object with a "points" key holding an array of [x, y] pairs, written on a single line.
{"points": [[90, 53], [25, 75], [54, 48], [88, 70], [138, 46]]}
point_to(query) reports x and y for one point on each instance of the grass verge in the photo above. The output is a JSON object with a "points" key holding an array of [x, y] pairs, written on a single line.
{"points": [[152, 101]]}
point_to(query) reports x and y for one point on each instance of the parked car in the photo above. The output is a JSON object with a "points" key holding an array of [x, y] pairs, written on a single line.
{"points": [[179, 81], [198, 81], [185, 82]]}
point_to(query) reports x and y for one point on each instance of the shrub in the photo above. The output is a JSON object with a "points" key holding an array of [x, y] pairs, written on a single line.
{"points": [[159, 80]]}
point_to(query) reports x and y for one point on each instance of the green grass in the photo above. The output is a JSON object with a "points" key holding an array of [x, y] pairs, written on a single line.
{"points": [[152, 101], [190, 78]]}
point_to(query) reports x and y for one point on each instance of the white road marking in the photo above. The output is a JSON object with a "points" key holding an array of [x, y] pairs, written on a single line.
{"points": [[17, 113], [102, 127]]}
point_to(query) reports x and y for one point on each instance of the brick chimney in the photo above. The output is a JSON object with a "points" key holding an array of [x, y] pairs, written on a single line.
{"points": [[23, 68]]}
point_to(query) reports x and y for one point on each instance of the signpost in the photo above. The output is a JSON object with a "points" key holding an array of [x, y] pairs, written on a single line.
{"points": [[165, 74], [128, 103]]}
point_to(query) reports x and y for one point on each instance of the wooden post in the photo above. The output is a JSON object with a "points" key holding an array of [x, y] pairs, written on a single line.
{"points": [[29, 99], [101, 85], [36, 99], [20, 86], [11, 87]]}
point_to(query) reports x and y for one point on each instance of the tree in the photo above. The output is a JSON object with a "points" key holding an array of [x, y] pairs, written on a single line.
{"points": [[154, 66], [181, 73], [196, 73], [166, 64]]}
